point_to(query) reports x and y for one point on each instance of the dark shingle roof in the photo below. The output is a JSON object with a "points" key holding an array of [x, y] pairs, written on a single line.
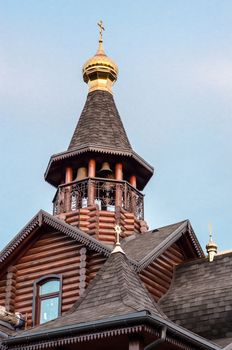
{"points": [[100, 124], [146, 247], [116, 290], [138, 246], [201, 299]]}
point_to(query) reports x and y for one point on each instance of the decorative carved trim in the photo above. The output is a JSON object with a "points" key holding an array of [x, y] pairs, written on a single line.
{"points": [[43, 217]]}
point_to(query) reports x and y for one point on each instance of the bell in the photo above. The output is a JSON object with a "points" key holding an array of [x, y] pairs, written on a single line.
{"points": [[105, 169], [81, 173]]}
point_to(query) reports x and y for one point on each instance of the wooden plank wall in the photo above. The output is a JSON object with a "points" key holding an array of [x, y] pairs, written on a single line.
{"points": [[52, 253], [158, 275]]}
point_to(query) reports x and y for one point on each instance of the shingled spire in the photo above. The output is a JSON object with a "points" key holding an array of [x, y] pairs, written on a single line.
{"points": [[99, 177], [100, 125]]}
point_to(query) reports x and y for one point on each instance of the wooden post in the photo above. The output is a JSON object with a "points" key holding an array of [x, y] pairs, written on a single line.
{"points": [[133, 181], [92, 168], [118, 171], [119, 177], [91, 173], [68, 175]]}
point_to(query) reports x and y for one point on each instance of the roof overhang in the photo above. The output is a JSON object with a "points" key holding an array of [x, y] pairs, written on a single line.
{"points": [[57, 163], [113, 326]]}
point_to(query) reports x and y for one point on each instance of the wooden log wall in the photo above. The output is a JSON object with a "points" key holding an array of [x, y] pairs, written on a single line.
{"points": [[52, 253], [100, 223], [3, 289], [94, 262], [158, 275]]}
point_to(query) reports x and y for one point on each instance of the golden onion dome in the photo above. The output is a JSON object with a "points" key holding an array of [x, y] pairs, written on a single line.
{"points": [[100, 71]]}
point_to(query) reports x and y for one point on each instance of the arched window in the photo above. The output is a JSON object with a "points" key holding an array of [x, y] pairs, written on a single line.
{"points": [[47, 299]]}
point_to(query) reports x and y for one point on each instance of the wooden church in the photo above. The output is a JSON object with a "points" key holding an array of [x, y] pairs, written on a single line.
{"points": [[92, 275]]}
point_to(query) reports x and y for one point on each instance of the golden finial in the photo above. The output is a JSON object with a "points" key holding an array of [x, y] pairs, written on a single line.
{"points": [[117, 248], [101, 28], [100, 72], [211, 247]]}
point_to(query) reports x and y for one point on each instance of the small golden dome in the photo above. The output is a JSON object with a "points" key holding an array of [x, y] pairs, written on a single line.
{"points": [[211, 247], [100, 71]]}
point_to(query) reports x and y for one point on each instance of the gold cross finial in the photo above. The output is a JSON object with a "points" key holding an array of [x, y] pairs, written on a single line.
{"points": [[118, 231], [100, 24], [117, 248]]}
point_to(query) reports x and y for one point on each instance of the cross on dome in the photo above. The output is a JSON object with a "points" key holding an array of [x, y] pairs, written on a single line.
{"points": [[101, 28]]}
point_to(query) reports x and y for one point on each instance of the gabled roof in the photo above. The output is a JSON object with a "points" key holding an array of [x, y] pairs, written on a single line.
{"points": [[42, 217], [140, 249], [144, 248], [100, 124], [116, 290], [200, 298]]}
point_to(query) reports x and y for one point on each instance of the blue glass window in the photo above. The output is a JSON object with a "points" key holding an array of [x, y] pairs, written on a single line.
{"points": [[47, 302], [49, 287]]}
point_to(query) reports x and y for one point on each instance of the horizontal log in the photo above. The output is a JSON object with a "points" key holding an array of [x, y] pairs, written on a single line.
{"points": [[158, 271], [70, 294], [70, 300], [106, 225], [108, 219], [106, 213], [155, 293], [70, 287], [153, 284], [47, 264], [49, 245], [155, 279], [129, 221], [167, 265], [52, 257], [3, 282], [168, 260], [58, 270], [24, 298], [51, 239], [174, 258], [176, 251], [66, 308]]}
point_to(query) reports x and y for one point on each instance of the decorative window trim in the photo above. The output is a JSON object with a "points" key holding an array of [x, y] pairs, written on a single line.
{"points": [[36, 299]]}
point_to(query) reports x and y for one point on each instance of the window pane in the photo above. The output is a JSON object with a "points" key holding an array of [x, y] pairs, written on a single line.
{"points": [[49, 287], [49, 309]]}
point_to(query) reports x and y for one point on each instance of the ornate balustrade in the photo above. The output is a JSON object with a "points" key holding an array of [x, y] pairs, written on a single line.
{"points": [[105, 193]]}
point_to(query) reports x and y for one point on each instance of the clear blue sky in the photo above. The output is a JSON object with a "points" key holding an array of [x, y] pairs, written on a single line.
{"points": [[174, 94]]}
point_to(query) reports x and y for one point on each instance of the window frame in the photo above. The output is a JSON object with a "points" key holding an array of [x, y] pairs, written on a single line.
{"points": [[36, 303]]}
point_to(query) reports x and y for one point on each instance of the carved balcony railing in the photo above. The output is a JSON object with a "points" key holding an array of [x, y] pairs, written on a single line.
{"points": [[107, 194]]}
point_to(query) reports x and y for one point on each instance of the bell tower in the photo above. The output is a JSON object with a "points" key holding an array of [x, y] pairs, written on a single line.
{"points": [[99, 178]]}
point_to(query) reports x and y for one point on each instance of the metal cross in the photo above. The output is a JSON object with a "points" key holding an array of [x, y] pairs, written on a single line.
{"points": [[100, 24], [210, 232]]}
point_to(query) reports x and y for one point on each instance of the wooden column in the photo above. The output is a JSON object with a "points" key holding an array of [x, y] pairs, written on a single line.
{"points": [[68, 175], [119, 177], [92, 168], [91, 173], [133, 181]]}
